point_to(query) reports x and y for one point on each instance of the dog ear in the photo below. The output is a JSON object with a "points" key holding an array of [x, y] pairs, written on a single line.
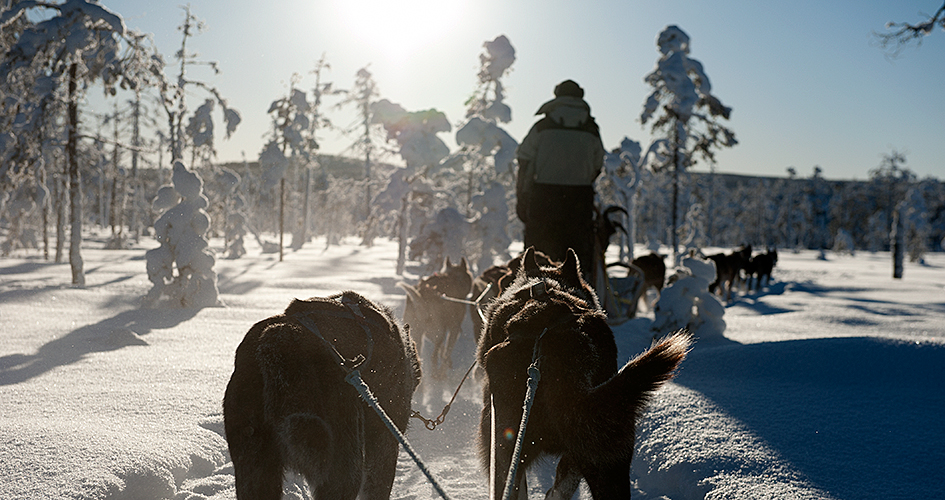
{"points": [[529, 263], [463, 264], [571, 269]]}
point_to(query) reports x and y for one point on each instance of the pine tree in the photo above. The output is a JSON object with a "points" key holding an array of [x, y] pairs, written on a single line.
{"points": [[683, 107]]}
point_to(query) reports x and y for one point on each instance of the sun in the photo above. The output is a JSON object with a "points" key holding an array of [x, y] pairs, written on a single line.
{"points": [[398, 28]]}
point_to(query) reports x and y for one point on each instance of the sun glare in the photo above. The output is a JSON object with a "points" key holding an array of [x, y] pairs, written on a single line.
{"points": [[398, 28]]}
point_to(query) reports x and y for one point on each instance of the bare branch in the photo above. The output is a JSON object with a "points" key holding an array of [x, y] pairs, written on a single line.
{"points": [[906, 33]]}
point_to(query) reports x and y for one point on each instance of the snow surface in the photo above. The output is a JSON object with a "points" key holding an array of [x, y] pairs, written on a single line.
{"points": [[827, 384]]}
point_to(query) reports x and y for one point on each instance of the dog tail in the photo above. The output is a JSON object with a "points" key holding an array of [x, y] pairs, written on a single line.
{"points": [[644, 374], [613, 408]]}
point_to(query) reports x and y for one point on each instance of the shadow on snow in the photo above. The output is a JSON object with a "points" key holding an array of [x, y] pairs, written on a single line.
{"points": [[111, 334], [858, 416]]}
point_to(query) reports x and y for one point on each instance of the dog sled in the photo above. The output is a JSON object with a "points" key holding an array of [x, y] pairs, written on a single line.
{"points": [[619, 286]]}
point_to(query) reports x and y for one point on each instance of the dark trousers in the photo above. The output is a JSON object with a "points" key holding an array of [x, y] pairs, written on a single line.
{"points": [[562, 217]]}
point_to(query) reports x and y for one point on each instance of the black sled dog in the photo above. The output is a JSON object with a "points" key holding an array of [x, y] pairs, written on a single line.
{"points": [[440, 320], [488, 285], [585, 410], [288, 407]]}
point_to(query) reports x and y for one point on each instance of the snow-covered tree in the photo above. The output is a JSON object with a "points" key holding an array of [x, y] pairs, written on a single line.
{"points": [[818, 193], [915, 221], [363, 96], [682, 106], [291, 144], [233, 213], [843, 243], [181, 269], [414, 134], [490, 236], [174, 99], [487, 149], [78, 44], [889, 183]]}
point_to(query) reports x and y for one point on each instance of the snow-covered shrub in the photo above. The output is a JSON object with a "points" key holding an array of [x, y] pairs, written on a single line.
{"points": [[182, 231], [843, 243], [687, 303]]}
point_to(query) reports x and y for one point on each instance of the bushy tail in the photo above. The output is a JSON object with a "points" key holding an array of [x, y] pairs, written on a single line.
{"points": [[614, 407], [644, 374]]}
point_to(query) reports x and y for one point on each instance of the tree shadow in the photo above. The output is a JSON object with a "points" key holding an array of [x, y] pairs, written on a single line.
{"points": [[849, 413], [123, 330]]}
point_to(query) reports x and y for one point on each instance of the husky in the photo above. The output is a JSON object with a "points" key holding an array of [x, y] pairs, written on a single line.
{"points": [[491, 282], [287, 405], [728, 269], [763, 265], [438, 319], [654, 270], [585, 411]]}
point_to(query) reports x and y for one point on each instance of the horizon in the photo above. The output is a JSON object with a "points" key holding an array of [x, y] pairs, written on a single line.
{"points": [[826, 95]]}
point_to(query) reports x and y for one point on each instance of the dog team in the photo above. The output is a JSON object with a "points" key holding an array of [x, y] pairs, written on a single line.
{"points": [[288, 406]]}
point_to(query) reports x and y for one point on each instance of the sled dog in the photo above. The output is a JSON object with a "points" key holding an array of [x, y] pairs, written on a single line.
{"points": [[654, 270], [494, 279], [288, 407], [728, 269], [763, 265], [429, 315], [585, 410]]}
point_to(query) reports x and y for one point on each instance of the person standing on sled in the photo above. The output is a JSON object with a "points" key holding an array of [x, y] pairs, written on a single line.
{"points": [[558, 161]]}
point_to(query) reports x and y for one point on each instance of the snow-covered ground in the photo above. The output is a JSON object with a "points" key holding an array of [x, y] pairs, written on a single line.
{"points": [[829, 384]]}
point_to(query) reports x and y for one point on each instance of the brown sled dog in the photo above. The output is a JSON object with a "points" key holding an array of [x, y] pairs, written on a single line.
{"points": [[584, 411], [288, 407], [440, 320]]}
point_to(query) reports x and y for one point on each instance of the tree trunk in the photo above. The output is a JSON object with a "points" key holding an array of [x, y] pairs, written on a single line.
{"points": [[133, 225], [402, 234], [75, 183], [45, 214], [281, 214], [61, 213], [897, 235], [675, 210]]}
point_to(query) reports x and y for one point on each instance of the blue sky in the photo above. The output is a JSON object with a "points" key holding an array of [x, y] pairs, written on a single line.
{"points": [[806, 81]]}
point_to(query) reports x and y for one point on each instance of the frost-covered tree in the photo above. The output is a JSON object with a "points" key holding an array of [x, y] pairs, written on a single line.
{"points": [[233, 213], [414, 134], [181, 269], [914, 215], [199, 128], [487, 150], [490, 236], [621, 182], [682, 107], [818, 193], [291, 144], [76, 45], [889, 183], [364, 95]]}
